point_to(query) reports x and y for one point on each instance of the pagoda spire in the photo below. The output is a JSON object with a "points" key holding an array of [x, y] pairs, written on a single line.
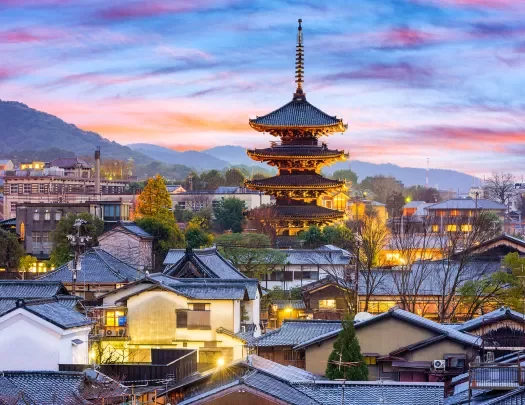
{"points": [[299, 63]]}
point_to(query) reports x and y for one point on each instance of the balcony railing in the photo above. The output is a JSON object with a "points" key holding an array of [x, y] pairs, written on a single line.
{"points": [[496, 376]]}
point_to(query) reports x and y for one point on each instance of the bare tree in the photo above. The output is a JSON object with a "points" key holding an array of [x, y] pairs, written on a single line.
{"points": [[500, 187]]}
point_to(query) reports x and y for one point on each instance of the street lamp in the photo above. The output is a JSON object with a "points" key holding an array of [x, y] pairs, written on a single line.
{"points": [[78, 242]]}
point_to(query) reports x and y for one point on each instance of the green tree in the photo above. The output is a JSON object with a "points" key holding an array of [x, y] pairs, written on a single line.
{"points": [[233, 177], [202, 219], [212, 179], [11, 251], [26, 263], [250, 252], [62, 251], [382, 187], [155, 201], [229, 214], [420, 193], [347, 350], [197, 238], [165, 237], [345, 174], [339, 235], [313, 237]]}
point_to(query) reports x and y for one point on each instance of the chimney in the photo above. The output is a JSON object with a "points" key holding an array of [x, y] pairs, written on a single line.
{"points": [[97, 170]]}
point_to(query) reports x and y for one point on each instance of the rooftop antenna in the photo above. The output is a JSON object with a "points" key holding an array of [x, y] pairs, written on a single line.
{"points": [[299, 63]]}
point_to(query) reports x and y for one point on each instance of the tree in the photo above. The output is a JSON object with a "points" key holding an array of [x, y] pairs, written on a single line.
{"points": [[165, 237], [62, 251], [250, 252], [202, 219], [345, 174], [420, 193], [340, 236], [313, 237], [229, 214], [197, 238], [11, 251], [500, 187], [212, 179], [26, 263], [155, 201], [233, 177], [382, 187], [346, 361], [395, 203]]}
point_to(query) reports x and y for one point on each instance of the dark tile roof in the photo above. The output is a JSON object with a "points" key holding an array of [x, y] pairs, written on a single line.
{"points": [[298, 114], [31, 289], [303, 181], [293, 332], [278, 389], [321, 256], [69, 163], [494, 316], [97, 267], [307, 211], [8, 222], [285, 373], [294, 304], [68, 301], [467, 204], [306, 151], [209, 263], [135, 229], [373, 392]]}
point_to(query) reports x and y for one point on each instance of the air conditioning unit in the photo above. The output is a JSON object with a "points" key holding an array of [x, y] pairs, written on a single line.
{"points": [[438, 364], [489, 357], [109, 332]]}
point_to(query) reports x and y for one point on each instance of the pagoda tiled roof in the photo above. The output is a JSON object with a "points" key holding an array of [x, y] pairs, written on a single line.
{"points": [[297, 151], [298, 114], [301, 181], [307, 211]]}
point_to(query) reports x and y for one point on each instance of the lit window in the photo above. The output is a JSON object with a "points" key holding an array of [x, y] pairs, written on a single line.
{"points": [[115, 318], [27, 188], [327, 304], [47, 216], [45, 237], [452, 228], [14, 188], [435, 228], [22, 231], [370, 360], [42, 188], [36, 216], [58, 215], [466, 228]]}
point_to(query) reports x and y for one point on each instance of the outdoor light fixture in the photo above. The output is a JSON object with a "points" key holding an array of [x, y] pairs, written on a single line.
{"points": [[220, 362]]}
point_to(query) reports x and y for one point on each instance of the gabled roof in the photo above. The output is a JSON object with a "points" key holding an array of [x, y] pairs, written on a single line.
{"points": [[325, 255], [199, 263], [492, 317], [132, 228], [294, 304], [96, 267], [69, 163], [295, 332], [467, 204], [31, 289], [417, 320]]}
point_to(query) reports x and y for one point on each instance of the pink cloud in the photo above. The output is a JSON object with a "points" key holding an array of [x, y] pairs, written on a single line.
{"points": [[33, 35]]}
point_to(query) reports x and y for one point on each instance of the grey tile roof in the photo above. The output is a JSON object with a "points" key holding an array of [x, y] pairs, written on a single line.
{"points": [[304, 181], [373, 393], [297, 114], [317, 339], [68, 163], [97, 267], [294, 304], [209, 261], [325, 255], [297, 151], [308, 211], [498, 314], [31, 289], [68, 301], [285, 373], [135, 229], [467, 204], [294, 332], [428, 324], [278, 389], [212, 292]]}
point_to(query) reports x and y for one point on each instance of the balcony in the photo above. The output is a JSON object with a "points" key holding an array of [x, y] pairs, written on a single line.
{"points": [[496, 376]]}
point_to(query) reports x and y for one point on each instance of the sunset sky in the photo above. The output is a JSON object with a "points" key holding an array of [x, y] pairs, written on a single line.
{"points": [[443, 79]]}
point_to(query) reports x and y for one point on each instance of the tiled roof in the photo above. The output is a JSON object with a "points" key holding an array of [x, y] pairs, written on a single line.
{"points": [[68, 301], [293, 332], [278, 389], [303, 181], [135, 229], [321, 256], [8, 222], [306, 151], [96, 267], [294, 304], [69, 163], [317, 339], [467, 204], [285, 373], [501, 313], [414, 319], [31, 289], [373, 392], [212, 292], [59, 315], [298, 114], [209, 261], [307, 211], [413, 204]]}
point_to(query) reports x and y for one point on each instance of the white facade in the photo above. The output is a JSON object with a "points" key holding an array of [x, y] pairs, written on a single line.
{"points": [[28, 342], [196, 201]]}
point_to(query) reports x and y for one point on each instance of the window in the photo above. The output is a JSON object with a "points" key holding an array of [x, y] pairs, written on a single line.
{"points": [[115, 318], [454, 213], [452, 228], [36, 216], [370, 360], [466, 228], [42, 188], [14, 188], [182, 205], [455, 360], [435, 228], [45, 237], [36, 236], [22, 231], [58, 215], [182, 319], [27, 188], [327, 304], [47, 216], [199, 307]]}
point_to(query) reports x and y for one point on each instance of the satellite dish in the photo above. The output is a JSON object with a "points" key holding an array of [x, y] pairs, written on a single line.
{"points": [[362, 316]]}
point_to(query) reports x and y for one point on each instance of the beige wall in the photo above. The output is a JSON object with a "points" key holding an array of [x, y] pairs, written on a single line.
{"points": [[437, 351], [317, 356], [388, 335]]}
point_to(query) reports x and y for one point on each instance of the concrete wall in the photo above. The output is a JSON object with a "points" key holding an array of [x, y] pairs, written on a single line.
{"points": [[27, 342]]}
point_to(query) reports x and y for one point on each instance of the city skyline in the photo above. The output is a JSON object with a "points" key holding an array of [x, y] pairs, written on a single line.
{"points": [[413, 79]]}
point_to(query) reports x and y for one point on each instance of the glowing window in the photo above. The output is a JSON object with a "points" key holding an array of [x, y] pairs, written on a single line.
{"points": [[435, 228], [466, 228], [327, 304], [112, 317], [452, 228], [370, 360]]}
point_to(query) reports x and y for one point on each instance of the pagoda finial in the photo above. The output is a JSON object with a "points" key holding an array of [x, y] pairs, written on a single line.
{"points": [[299, 63]]}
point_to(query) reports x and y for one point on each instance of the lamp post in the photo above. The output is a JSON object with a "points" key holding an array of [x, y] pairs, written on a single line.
{"points": [[78, 242]]}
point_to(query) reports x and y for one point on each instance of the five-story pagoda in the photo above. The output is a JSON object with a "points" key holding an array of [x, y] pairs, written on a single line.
{"points": [[299, 156]]}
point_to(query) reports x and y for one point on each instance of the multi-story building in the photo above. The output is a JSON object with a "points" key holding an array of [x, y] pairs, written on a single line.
{"points": [[6, 164]]}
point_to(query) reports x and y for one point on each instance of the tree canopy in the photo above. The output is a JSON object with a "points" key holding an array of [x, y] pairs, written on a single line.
{"points": [[500, 187], [62, 251], [197, 238], [233, 177], [338, 235], [348, 352], [229, 214], [11, 251], [155, 201], [345, 174]]}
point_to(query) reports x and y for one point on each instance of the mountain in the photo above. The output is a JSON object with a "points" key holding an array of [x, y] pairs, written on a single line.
{"points": [[25, 129], [444, 179], [236, 155], [191, 158]]}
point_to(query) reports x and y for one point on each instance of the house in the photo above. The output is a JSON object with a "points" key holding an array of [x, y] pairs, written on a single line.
{"points": [[175, 188], [54, 387], [72, 166], [304, 266], [211, 315], [256, 380], [279, 310], [401, 346], [278, 345], [129, 243], [97, 272], [358, 208], [6, 164], [197, 200]]}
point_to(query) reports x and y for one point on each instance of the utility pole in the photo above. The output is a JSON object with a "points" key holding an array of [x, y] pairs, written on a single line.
{"points": [[78, 242]]}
